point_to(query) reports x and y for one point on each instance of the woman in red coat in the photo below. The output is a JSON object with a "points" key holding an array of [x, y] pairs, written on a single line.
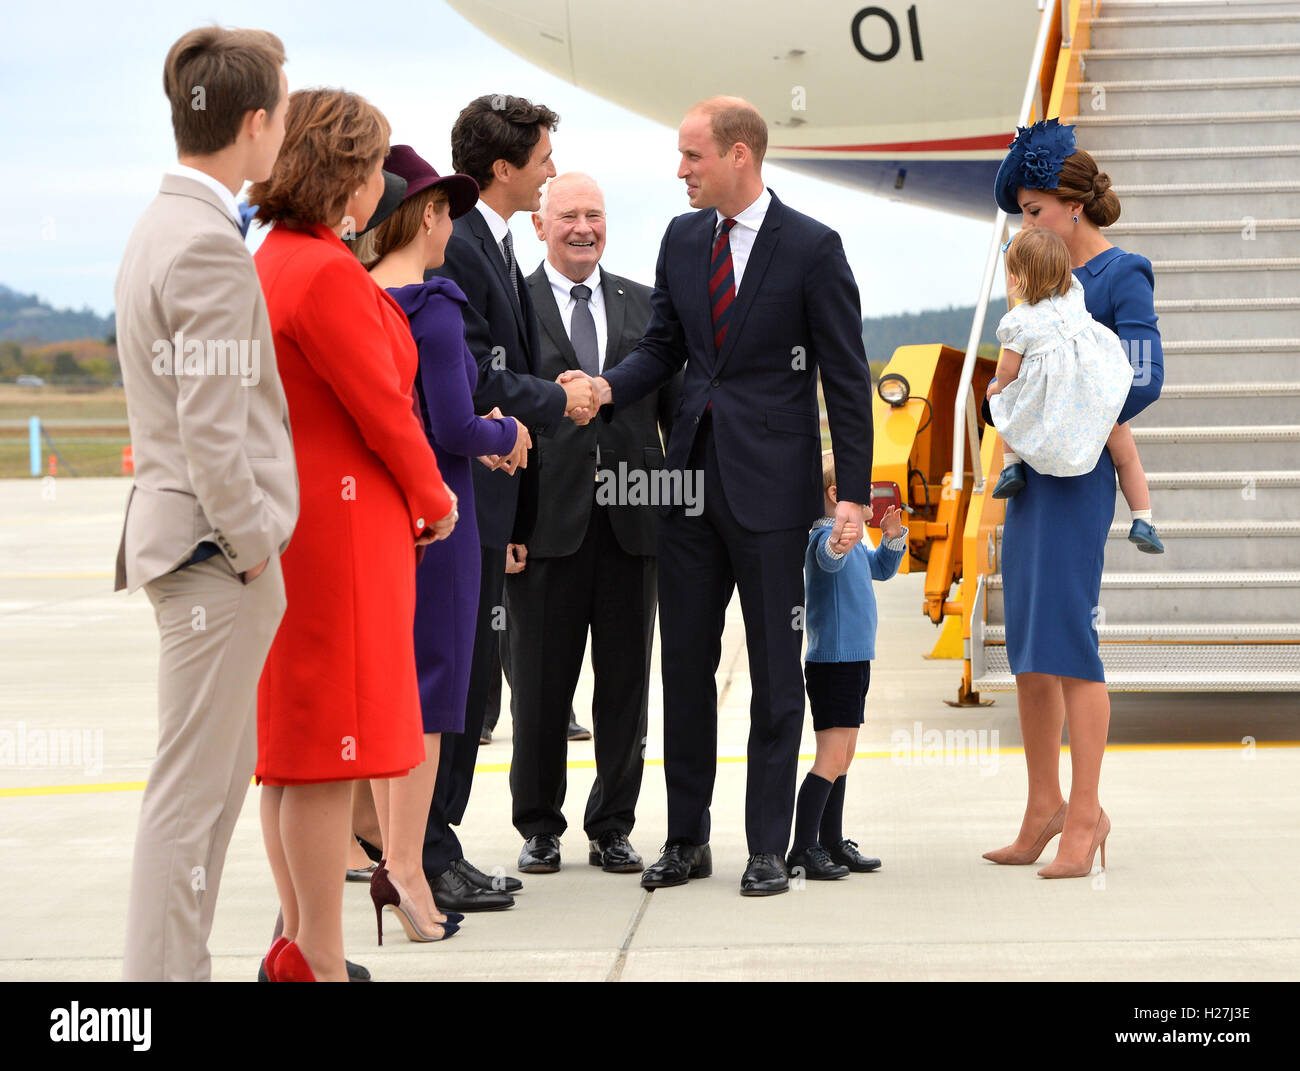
{"points": [[338, 699]]}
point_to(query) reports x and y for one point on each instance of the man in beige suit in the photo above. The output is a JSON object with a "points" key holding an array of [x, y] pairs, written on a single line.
{"points": [[215, 495]]}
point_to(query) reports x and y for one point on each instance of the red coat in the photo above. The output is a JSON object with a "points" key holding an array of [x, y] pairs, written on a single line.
{"points": [[338, 699]]}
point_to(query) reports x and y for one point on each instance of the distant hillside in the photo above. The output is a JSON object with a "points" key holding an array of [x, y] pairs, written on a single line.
{"points": [[951, 326], [26, 318]]}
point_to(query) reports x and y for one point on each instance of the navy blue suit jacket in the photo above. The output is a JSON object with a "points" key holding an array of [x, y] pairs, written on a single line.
{"points": [[796, 314], [503, 338]]}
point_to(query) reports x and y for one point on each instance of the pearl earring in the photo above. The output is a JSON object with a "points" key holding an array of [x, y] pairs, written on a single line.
{"points": [[428, 230]]}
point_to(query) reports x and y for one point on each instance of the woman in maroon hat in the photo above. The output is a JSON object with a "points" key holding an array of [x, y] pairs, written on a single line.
{"points": [[399, 252]]}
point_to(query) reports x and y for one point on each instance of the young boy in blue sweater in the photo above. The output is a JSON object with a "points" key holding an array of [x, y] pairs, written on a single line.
{"points": [[840, 619]]}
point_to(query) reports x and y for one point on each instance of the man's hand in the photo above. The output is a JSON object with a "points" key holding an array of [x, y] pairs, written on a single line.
{"points": [[891, 524], [252, 574], [579, 398], [443, 528], [516, 558], [848, 526]]}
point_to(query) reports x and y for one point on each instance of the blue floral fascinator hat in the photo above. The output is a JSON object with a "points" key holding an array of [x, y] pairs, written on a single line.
{"points": [[1034, 162]]}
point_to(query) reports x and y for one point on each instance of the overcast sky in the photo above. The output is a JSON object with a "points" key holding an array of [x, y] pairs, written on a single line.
{"points": [[87, 136]]}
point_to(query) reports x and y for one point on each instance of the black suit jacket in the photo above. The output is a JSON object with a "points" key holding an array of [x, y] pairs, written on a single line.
{"points": [[568, 454], [503, 338], [796, 315]]}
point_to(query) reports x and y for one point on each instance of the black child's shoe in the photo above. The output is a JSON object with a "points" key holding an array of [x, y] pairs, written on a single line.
{"points": [[846, 853], [816, 864]]}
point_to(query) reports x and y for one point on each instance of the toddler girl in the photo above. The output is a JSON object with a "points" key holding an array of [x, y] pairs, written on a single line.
{"points": [[1061, 381]]}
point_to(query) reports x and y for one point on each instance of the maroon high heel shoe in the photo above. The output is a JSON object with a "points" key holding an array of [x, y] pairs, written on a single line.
{"points": [[386, 892], [268, 963], [291, 965]]}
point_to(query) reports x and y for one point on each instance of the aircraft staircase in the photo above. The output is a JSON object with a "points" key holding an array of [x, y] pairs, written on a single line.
{"points": [[1193, 108]]}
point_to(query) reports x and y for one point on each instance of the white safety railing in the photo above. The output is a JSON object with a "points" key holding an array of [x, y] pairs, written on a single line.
{"points": [[965, 412]]}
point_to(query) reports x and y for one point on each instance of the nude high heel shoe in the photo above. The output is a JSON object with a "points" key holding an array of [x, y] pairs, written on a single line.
{"points": [[1010, 857], [386, 892], [1056, 869]]}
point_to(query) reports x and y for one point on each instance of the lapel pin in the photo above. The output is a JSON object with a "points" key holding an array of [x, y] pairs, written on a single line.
{"points": [[620, 291]]}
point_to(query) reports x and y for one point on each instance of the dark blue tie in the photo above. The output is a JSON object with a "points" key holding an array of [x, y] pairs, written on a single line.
{"points": [[246, 214]]}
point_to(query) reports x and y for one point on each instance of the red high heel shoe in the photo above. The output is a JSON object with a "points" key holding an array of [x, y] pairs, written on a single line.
{"points": [[268, 963], [291, 965]]}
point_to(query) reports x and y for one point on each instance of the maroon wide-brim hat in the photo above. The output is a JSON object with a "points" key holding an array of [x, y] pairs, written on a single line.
{"points": [[461, 190]]}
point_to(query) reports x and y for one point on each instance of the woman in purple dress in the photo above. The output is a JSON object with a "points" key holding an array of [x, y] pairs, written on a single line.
{"points": [[399, 253]]}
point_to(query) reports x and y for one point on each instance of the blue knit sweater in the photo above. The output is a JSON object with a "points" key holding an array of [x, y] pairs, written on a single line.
{"points": [[840, 615]]}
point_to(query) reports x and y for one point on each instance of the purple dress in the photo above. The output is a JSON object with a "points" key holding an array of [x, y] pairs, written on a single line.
{"points": [[447, 580]]}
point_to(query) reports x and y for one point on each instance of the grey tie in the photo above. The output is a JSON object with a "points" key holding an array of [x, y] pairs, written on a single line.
{"points": [[512, 269], [582, 331]]}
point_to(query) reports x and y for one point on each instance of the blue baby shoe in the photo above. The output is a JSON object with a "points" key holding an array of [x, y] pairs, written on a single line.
{"points": [[1011, 481], [1143, 533]]}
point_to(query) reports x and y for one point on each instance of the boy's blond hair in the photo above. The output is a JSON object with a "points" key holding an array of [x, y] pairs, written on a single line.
{"points": [[828, 470]]}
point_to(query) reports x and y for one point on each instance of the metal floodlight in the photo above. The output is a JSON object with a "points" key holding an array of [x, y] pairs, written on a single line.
{"points": [[894, 389]]}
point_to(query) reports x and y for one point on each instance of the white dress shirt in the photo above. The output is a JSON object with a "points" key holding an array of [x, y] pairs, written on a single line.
{"points": [[498, 226], [744, 233], [219, 188], [562, 287]]}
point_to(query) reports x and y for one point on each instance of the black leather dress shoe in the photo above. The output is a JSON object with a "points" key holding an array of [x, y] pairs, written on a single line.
{"points": [[764, 876], [454, 893], [613, 852], [491, 883], [678, 864], [816, 864], [576, 731], [846, 853], [356, 972], [540, 854]]}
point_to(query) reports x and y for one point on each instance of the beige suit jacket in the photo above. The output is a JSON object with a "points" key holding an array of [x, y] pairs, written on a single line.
{"points": [[209, 422]]}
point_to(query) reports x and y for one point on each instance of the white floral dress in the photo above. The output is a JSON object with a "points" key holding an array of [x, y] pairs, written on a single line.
{"points": [[1058, 412]]}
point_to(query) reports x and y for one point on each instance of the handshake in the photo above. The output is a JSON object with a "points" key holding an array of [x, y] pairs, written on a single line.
{"points": [[584, 395]]}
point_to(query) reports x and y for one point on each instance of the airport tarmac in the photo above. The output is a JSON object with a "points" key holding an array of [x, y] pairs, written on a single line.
{"points": [[1203, 792]]}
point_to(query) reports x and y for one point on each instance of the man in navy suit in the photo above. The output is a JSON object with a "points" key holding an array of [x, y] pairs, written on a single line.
{"points": [[504, 144], [755, 299]]}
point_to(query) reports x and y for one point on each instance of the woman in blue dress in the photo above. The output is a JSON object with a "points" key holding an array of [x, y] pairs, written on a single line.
{"points": [[404, 247], [1056, 527]]}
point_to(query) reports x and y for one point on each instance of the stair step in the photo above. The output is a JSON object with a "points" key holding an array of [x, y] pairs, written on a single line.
{"points": [[1165, 632], [1228, 402], [1211, 278], [1160, 202], [1219, 596], [1217, 360], [1192, 61], [1123, 96], [1208, 448], [1184, 28], [1273, 667], [1194, 6], [1247, 495], [1198, 163], [1205, 545], [1209, 238], [1242, 681], [1159, 130], [1225, 317]]}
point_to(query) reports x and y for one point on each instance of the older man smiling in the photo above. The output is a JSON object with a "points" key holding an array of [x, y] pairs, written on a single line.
{"points": [[584, 543]]}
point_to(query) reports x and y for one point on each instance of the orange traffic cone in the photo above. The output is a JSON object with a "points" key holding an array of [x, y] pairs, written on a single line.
{"points": [[54, 464], [128, 461]]}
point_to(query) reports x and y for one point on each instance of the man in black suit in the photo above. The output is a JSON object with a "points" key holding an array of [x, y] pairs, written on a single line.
{"points": [[591, 537], [755, 300], [504, 144]]}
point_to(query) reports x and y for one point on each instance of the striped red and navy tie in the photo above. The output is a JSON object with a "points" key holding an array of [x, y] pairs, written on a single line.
{"points": [[722, 283]]}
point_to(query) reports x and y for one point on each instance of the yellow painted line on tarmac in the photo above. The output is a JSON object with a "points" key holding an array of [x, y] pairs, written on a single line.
{"points": [[590, 764]]}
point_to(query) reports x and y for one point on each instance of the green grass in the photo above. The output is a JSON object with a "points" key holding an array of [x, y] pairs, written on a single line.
{"points": [[90, 456]]}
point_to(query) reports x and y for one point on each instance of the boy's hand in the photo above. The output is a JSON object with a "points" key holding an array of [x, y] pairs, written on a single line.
{"points": [[891, 524]]}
